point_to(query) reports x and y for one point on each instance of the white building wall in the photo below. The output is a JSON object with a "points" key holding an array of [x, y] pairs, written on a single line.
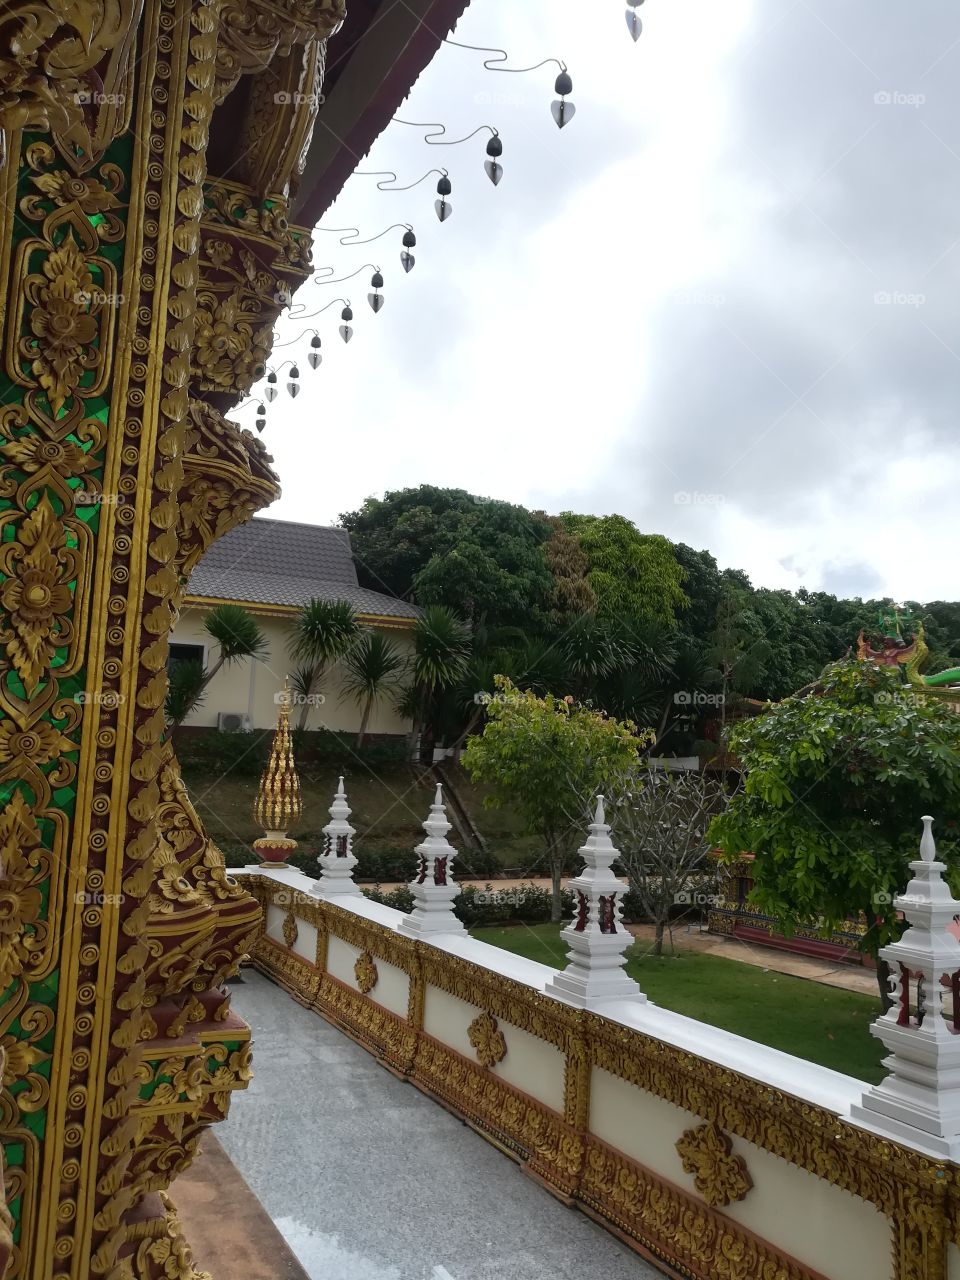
{"points": [[250, 686]]}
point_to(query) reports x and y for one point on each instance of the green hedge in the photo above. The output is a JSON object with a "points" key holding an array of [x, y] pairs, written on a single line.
{"points": [[246, 754]]}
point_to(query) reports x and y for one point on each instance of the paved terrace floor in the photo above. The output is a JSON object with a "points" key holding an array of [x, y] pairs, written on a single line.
{"points": [[368, 1179]]}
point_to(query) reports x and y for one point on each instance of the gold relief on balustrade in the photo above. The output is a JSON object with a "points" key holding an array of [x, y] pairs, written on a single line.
{"points": [[290, 930], [553, 1150], [487, 1040], [365, 972], [676, 1227], [720, 1176], [907, 1187], [290, 970], [378, 1028], [368, 935], [807, 1136]]}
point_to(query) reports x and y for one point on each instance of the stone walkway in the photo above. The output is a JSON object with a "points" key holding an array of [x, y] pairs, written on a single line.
{"points": [[368, 1179]]}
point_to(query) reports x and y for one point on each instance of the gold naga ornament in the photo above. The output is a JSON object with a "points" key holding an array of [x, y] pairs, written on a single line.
{"points": [[279, 804]]}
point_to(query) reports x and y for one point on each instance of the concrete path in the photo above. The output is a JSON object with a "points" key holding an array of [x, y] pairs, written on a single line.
{"points": [[368, 1179], [226, 1226]]}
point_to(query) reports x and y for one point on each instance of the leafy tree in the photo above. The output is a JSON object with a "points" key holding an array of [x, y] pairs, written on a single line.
{"points": [[323, 631], [237, 636], [568, 563], [441, 651], [635, 576], [660, 820], [836, 782], [373, 668], [701, 586], [545, 757], [480, 557]]}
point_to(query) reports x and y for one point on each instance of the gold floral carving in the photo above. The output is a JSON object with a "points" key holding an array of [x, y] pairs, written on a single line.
{"points": [[690, 1237], [487, 1040], [365, 972], [538, 1134], [64, 68], [290, 930], [234, 206], [382, 1031], [232, 344], [254, 32], [62, 347], [808, 1136], [290, 970], [280, 120], [227, 477], [720, 1176], [35, 597], [25, 866]]}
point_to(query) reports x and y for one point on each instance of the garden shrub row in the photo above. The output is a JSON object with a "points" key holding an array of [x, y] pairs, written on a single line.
{"points": [[246, 754]]}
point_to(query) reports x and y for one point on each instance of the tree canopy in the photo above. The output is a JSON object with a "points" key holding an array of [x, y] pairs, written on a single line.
{"points": [[594, 607], [545, 758], [837, 779]]}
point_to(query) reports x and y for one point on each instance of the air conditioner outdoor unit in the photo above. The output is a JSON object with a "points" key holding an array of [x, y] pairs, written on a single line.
{"points": [[233, 722]]}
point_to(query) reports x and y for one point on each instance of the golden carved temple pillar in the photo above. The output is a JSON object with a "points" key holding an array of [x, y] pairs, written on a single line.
{"points": [[140, 295]]}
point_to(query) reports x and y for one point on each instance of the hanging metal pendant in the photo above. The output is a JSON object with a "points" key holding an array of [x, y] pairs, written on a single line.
{"points": [[563, 112], [494, 171], [260, 424], [408, 261], [634, 25], [346, 333], [271, 393], [444, 209], [376, 301], [313, 359], [294, 389]]}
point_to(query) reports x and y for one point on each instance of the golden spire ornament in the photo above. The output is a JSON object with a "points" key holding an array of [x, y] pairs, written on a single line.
{"points": [[278, 804]]}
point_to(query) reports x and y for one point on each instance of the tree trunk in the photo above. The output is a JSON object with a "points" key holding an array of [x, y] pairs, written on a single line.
{"points": [[311, 690], [363, 720], [658, 939], [471, 725]]}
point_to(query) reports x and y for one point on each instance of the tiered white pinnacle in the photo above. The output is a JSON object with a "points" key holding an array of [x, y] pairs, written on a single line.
{"points": [[433, 887], [596, 936], [337, 859], [920, 1099]]}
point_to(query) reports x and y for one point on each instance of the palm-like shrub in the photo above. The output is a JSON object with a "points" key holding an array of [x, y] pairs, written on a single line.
{"points": [[323, 632], [440, 655], [237, 635], [373, 668]]}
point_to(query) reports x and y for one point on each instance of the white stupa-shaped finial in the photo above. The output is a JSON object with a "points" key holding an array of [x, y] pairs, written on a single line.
{"points": [[597, 937], [433, 887], [337, 858], [920, 1099]]}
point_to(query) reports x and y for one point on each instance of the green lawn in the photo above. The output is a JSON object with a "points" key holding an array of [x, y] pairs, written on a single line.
{"points": [[821, 1024]]}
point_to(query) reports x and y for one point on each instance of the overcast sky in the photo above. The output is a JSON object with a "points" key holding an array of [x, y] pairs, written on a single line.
{"points": [[723, 301]]}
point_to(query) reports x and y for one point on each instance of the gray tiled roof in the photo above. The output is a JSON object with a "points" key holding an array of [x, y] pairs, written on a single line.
{"points": [[278, 562]]}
